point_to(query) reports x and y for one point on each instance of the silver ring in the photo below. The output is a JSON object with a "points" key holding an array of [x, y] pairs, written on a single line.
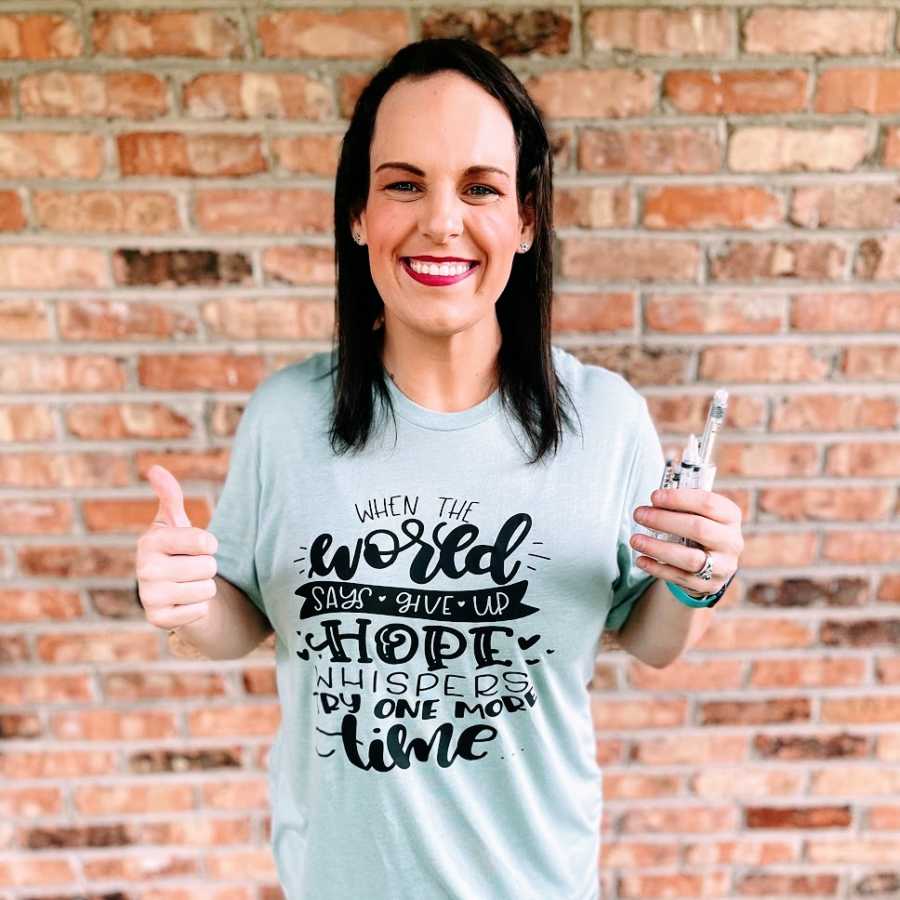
{"points": [[706, 569]]}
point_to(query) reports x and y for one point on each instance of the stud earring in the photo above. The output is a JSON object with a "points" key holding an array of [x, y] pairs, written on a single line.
{"points": [[356, 238], [523, 246]]}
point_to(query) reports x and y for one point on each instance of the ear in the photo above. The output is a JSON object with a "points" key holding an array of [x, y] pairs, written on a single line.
{"points": [[526, 219], [358, 226]]}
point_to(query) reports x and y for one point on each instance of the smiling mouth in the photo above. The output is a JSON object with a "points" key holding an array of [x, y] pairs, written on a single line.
{"points": [[430, 273], [434, 269]]}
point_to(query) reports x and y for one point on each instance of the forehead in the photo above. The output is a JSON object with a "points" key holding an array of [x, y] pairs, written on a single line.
{"points": [[443, 121]]}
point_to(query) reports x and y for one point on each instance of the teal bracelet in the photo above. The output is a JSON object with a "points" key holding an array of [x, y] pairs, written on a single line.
{"points": [[698, 602]]}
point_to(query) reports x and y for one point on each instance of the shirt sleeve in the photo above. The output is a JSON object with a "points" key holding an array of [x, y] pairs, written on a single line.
{"points": [[647, 467], [235, 519]]}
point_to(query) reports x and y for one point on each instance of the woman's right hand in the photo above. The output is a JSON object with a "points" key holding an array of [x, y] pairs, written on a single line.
{"points": [[175, 563]]}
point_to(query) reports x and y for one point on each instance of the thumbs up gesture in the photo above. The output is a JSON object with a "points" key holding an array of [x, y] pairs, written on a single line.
{"points": [[174, 563]]}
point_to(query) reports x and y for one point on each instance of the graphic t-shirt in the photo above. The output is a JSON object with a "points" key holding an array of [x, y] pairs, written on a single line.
{"points": [[437, 604]]}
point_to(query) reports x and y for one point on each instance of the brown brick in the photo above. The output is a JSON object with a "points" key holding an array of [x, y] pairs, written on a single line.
{"points": [[778, 549], [826, 504], [756, 634], [607, 93], [775, 884], [790, 747], [641, 259], [782, 362], [645, 713], [39, 37], [699, 206], [272, 318], [200, 371], [668, 32], [25, 421], [875, 91], [514, 32], [595, 206], [265, 210], [243, 95], [233, 720], [142, 212], [795, 673], [107, 320], [879, 259], [129, 95], [834, 412], [6, 94], [299, 265], [50, 155], [872, 362], [846, 312], [819, 31], [138, 35], [168, 268], [754, 91], [307, 154], [28, 373], [892, 147], [766, 148], [714, 314], [767, 460], [877, 547], [12, 215], [191, 155], [863, 459], [796, 817], [756, 260], [847, 206], [593, 312], [649, 150], [753, 712], [638, 365], [354, 33], [860, 710]]}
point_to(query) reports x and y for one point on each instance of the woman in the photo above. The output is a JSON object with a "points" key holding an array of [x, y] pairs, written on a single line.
{"points": [[436, 546]]}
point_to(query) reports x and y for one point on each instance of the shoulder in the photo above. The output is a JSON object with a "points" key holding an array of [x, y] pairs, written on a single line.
{"points": [[297, 384], [595, 388]]}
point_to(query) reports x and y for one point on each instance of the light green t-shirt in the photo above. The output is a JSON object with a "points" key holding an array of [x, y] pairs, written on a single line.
{"points": [[437, 605]]}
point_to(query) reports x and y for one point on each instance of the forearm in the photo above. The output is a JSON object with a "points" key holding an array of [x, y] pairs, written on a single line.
{"points": [[231, 629], [660, 628]]}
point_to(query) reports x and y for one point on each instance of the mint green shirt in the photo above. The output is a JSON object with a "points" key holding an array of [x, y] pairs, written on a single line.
{"points": [[437, 606]]}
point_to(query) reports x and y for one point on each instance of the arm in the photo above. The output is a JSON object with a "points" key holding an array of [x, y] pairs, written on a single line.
{"points": [[231, 629], [659, 628]]}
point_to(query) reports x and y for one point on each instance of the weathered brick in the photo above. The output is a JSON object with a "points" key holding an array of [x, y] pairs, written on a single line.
{"points": [[593, 312], [670, 32], [826, 504], [307, 154], [699, 206], [595, 206], [892, 147], [753, 712], [353, 33], [248, 95], [863, 459], [12, 214], [141, 35], [513, 32], [200, 371], [168, 268], [45, 154], [877, 547], [714, 314], [641, 259], [143, 212], [38, 37], [272, 318], [130, 95], [782, 362], [875, 91], [767, 148], [299, 265], [607, 93], [881, 363], [751, 91], [649, 150], [819, 31], [847, 206], [790, 747], [819, 672], [191, 155], [833, 412], [878, 259], [756, 260], [266, 210], [846, 312]]}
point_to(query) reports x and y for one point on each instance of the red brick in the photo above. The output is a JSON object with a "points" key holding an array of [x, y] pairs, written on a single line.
{"points": [[767, 148], [875, 91], [762, 460], [668, 32], [858, 547], [687, 819], [739, 852], [834, 412], [819, 672], [863, 851], [601, 93], [43, 268], [25, 421], [755, 260], [863, 459], [139, 35], [610, 715], [845, 312], [141, 212], [826, 504], [754, 712], [892, 148], [860, 710], [129, 95], [859, 780], [221, 721], [881, 363], [12, 215], [879, 259], [39, 37], [753, 91], [354, 33], [754, 782], [714, 314], [299, 265], [265, 210], [711, 207], [631, 854], [242, 95], [599, 206], [641, 259], [782, 362], [819, 31], [690, 749], [272, 318], [191, 155], [778, 549], [649, 887], [634, 785], [593, 312], [200, 371], [6, 93], [687, 675], [41, 373], [754, 633], [649, 150], [41, 154], [307, 154], [847, 206]]}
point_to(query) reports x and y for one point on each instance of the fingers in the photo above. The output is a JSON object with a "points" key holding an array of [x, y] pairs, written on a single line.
{"points": [[711, 534], [703, 503], [187, 541], [677, 563]]}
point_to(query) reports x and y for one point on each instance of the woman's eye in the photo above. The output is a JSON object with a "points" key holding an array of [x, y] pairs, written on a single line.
{"points": [[398, 184]]}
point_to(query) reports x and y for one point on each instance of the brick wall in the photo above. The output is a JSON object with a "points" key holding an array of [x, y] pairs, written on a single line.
{"points": [[727, 212]]}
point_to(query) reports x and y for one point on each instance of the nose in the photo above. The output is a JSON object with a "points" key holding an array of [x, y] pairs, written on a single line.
{"points": [[441, 215]]}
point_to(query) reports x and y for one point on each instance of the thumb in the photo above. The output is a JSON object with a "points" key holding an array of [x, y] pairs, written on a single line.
{"points": [[171, 500]]}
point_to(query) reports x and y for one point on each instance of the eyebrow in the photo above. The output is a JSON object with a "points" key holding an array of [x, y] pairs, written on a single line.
{"points": [[408, 167]]}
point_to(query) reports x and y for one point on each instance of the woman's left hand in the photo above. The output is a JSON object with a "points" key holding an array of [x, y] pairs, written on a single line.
{"points": [[712, 520]]}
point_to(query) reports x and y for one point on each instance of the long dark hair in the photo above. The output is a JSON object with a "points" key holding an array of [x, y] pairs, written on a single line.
{"points": [[528, 381]]}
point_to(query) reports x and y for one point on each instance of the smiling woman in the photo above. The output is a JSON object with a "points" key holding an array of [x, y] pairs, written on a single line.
{"points": [[437, 601]]}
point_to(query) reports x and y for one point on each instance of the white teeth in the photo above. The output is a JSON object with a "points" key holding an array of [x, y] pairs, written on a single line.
{"points": [[445, 269]]}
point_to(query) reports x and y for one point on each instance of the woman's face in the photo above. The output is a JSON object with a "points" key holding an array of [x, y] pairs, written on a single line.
{"points": [[441, 126]]}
